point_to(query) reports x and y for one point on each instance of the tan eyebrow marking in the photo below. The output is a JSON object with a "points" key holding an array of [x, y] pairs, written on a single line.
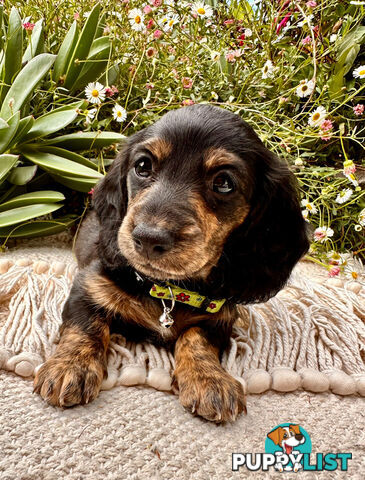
{"points": [[159, 148], [218, 157]]}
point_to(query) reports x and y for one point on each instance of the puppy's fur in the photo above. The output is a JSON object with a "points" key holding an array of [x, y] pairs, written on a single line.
{"points": [[195, 199]]}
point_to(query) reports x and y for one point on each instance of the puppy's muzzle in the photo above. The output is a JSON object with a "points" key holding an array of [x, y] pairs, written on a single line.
{"points": [[152, 242]]}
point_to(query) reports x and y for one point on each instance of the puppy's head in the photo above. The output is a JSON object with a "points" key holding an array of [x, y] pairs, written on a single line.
{"points": [[197, 196], [287, 437]]}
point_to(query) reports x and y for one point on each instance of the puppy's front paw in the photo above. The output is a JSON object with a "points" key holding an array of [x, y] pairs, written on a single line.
{"points": [[216, 396], [67, 381]]}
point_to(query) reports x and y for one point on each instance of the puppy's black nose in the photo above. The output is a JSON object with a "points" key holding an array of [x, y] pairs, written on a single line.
{"points": [[152, 241], [298, 436]]}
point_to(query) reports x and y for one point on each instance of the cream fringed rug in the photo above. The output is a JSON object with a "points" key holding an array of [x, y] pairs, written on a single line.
{"points": [[310, 336]]}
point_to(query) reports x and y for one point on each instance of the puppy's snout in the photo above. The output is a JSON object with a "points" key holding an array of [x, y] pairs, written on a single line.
{"points": [[152, 242], [299, 437]]}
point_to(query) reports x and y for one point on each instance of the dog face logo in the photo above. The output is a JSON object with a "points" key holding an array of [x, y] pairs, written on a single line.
{"points": [[287, 437], [288, 442]]}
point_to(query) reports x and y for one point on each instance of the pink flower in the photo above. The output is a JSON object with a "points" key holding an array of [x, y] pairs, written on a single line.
{"points": [[311, 4], [334, 271], [326, 125], [28, 26], [230, 57], [284, 21], [349, 167], [187, 102], [150, 23], [110, 91], [76, 16], [157, 33], [147, 9], [359, 109], [156, 3], [150, 86], [91, 192], [307, 40], [230, 21], [187, 82], [326, 137]]}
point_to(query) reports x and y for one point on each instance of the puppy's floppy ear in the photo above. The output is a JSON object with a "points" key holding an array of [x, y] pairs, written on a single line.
{"points": [[275, 435], [260, 254]]}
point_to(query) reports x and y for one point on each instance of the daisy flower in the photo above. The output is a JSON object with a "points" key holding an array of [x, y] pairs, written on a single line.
{"points": [[202, 10], [136, 19], [317, 117], [167, 23], [334, 257], [322, 234], [215, 56], [119, 113], [309, 206], [90, 115], [359, 72], [359, 109], [95, 92], [351, 177], [344, 196], [268, 69], [305, 214], [361, 219], [305, 88], [346, 258], [354, 270], [248, 32]]}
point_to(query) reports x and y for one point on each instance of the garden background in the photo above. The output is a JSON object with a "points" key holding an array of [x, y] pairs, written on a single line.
{"points": [[76, 77]]}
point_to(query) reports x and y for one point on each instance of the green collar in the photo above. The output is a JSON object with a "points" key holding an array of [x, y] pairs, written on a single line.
{"points": [[186, 296]]}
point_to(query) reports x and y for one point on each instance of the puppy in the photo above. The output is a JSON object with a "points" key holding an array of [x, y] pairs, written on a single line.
{"points": [[288, 438], [194, 217]]}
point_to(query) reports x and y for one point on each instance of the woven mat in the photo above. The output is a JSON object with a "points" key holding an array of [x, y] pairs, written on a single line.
{"points": [[311, 336]]}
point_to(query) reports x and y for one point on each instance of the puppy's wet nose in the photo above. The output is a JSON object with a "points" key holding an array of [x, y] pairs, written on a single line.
{"points": [[298, 436], [152, 241]]}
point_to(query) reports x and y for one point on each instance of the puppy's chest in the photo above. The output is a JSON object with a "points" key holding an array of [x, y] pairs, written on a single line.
{"points": [[139, 317]]}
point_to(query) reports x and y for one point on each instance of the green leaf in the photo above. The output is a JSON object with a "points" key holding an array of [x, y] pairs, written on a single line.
{"points": [[14, 50], [93, 67], [82, 47], [65, 52], [3, 124], [59, 165], [111, 76], [86, 140], [50, 123], [61, 152], [22, 175], [8, 134], [45, 196], [22, 214], [39, 228], [36, 42], [76, 183], [7, 162], [25, 82], [24, 126]]}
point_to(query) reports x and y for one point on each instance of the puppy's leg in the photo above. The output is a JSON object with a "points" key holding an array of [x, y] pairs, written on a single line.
{"points": [[204, 387], [73, 375]]}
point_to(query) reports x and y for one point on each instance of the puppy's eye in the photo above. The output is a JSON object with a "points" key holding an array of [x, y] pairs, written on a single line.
{"points": [[223, 183], [143, 167]]}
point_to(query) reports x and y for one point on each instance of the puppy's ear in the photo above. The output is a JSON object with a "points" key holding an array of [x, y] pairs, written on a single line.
{"points": [[296, 428], [260, 254], [275, 435]]}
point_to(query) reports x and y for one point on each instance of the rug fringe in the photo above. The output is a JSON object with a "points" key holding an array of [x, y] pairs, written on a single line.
{"points": [[310, 336]]}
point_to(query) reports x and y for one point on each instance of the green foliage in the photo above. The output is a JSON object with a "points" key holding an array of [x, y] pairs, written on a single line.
{"points": [[36, 112]]}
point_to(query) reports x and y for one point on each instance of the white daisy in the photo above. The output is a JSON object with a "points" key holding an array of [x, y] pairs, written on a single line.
{"points": [[361, 219], [333, 37], [359, 72], [322, 234], [309, 206], [317, 117], [202, 10], [345, 258], [119, 113], [307, 20], [248, 32], [215, 56], [351, 177], [305, 214], [305, 88], [90, 115], [167, 23], [344, 196], [136, 19], [268, 69], [354, 270], [334, 256], [95, 92]]}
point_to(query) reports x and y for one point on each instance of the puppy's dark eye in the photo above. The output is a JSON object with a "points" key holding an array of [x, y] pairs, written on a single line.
{"points": [[223, 183], [143, 167]]}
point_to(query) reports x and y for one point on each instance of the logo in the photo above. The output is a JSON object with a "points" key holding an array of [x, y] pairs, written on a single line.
{"points": [[288, 448]]}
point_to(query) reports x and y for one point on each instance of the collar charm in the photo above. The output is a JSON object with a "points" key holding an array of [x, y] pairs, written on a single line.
{"points": [[166, 319]]}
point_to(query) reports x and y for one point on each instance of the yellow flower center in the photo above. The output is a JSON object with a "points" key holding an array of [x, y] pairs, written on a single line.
{"points": [[171, 22], [316, 116], [309, 206], [119, 113], [362, 72], [95, 93], [304, 88], [354, 275], [201, 11], [137, 19]]}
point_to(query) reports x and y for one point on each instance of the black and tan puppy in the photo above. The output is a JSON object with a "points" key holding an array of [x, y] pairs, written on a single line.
{"points": [[194, 206]]}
